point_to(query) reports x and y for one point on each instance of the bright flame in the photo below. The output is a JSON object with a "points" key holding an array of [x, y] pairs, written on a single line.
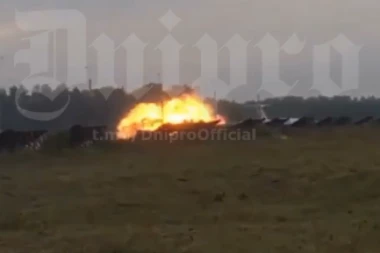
{"points": [[151, 116]]}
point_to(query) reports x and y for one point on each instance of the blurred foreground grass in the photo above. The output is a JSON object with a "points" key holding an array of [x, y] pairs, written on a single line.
{"points": [[315, 191]]}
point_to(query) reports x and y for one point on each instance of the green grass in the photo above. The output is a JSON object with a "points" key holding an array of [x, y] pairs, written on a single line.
{"points": [[317, 191]]}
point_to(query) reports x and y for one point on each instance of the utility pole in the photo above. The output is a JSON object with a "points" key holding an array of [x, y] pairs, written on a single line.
{"points": [[89, 78], [90, 84]]}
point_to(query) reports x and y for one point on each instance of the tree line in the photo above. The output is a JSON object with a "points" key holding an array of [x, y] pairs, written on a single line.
{"points": [[90, 107]]}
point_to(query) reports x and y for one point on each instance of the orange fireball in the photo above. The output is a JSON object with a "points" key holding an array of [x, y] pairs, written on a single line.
{"points": [[151, 116]]}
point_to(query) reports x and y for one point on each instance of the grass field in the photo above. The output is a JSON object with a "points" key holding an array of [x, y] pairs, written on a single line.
{"points": [[312, 192]]}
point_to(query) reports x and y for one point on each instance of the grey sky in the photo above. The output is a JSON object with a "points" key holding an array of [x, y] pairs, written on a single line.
{"points": [[315, 21]]}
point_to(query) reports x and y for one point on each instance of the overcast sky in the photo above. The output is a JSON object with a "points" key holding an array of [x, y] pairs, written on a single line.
{"points": [[313, 21]]}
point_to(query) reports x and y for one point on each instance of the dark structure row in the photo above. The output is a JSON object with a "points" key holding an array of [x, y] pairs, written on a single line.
{"points": [[11, 140], [308, 122], [82, 136], [78, 136]]}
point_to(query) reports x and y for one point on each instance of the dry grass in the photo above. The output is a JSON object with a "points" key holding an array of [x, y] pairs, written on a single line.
{"points": [[314, 192]]}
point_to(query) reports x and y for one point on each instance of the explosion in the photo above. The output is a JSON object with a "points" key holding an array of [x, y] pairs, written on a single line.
{"points": [[187, 108]]}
